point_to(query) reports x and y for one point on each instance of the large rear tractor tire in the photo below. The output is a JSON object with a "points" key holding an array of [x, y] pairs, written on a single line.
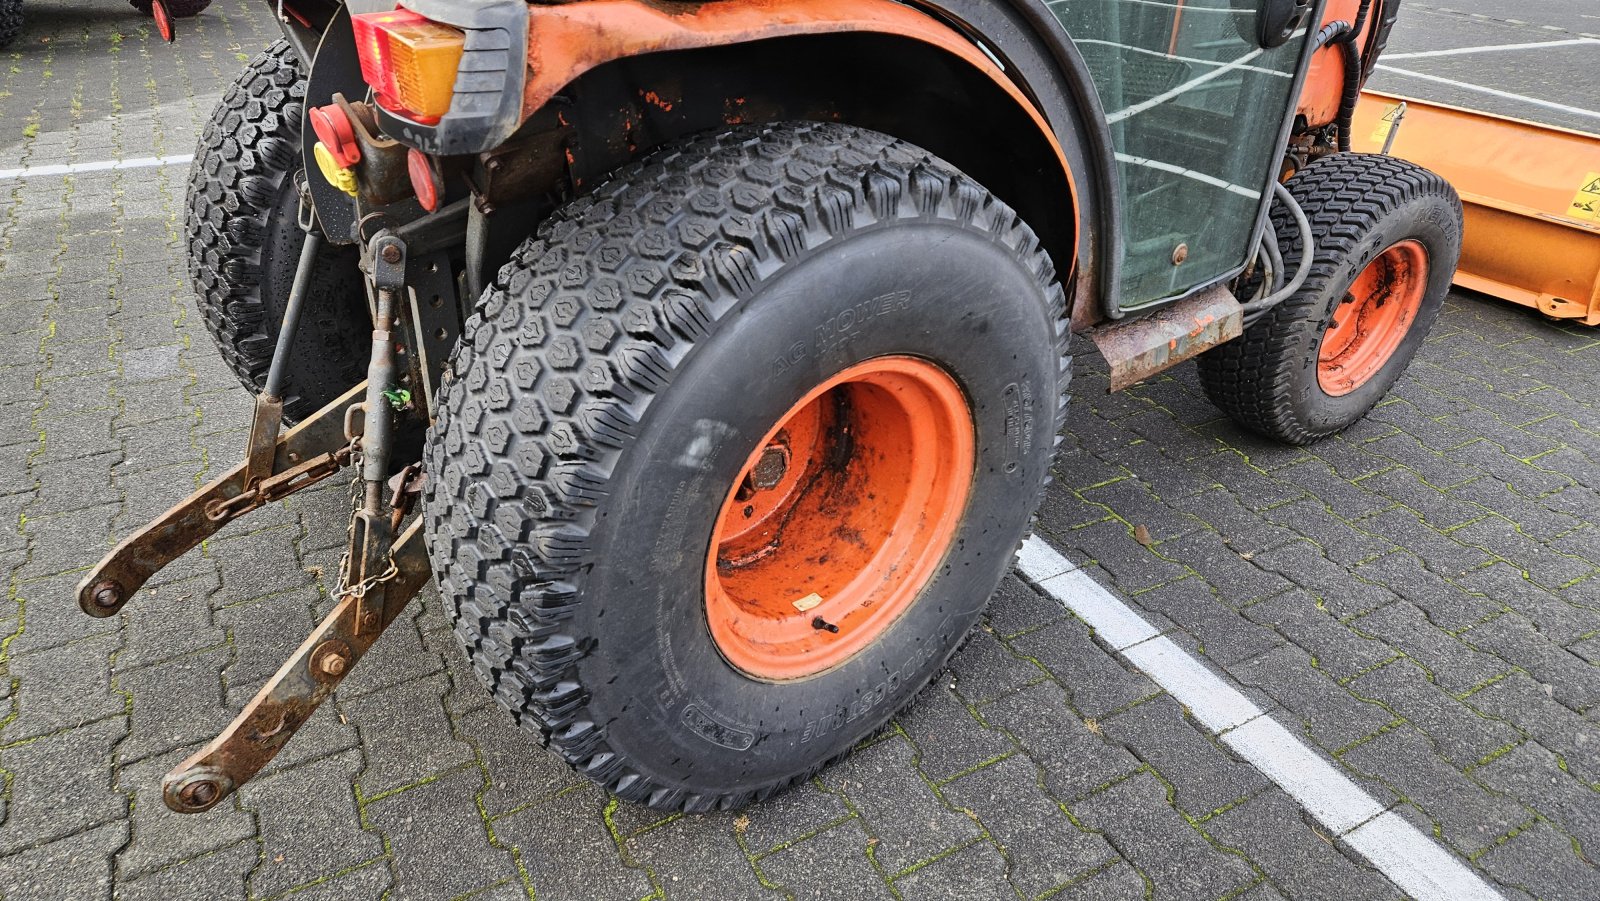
{"points": [[244, 243], [1387, 239], [736, 450]]}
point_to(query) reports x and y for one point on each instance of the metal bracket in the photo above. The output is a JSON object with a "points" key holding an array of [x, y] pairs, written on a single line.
{"points": [[302, 457], [1140, 348], [435, 323], [377, 577]]}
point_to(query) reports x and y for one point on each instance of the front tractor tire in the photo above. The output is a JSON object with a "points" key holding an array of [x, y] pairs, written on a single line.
{"points": [[736, 450], [244, 243], [1387, 237]]}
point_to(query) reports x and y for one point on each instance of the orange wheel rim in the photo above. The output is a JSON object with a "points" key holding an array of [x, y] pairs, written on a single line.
{"points": [[163, 18], [839, 519], [1373, 320]]}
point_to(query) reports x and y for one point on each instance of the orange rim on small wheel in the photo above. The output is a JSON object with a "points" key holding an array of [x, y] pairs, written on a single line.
{"points": [[1375, 317], [163, 17], [839, 519]]}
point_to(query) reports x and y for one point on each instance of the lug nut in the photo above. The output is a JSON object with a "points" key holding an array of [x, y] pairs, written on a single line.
{"points": [[770, 468]]}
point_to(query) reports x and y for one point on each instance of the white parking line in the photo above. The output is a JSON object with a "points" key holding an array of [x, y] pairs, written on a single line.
{"points": [[1480, 89], [1414, 862], [143, 162], [1491, 48]]}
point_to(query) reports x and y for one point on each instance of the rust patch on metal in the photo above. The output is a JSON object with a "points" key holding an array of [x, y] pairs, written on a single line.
{"points": [[295, 692], [383, 175], [317, 441], [1140, 348]]}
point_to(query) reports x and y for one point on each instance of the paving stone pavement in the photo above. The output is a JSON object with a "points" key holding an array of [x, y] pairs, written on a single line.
{"points": [[1419, 598]]}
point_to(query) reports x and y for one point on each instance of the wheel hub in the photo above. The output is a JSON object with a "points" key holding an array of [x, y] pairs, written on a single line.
{"points": [[1374, 319], [840, 518]]}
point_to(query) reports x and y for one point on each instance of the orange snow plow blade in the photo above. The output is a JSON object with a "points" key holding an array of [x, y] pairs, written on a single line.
{"points": [[1531, 192]]}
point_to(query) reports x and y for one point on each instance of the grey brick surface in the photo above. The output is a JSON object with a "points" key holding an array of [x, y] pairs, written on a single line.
{"points": [[939, 724], [1095, 682], [911, 823], [308, 824], [1044, 848], [1460, 735], [69, 869], [1161, 843], [1203, 776], [1294, 852], [700, 857], [1075, 760], [976, 871], [60, 785], [1465, 814], [411, 823], [833, 865], [216, 876], [1533, 773], [578, 860], [1420, 595], [1540, 860]]}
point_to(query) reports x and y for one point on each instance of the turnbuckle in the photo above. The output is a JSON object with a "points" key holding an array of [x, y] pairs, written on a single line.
{"points": [[264, 491]]}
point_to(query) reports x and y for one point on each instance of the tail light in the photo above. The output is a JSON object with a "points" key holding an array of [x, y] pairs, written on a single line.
{"points": [[409, 61]]}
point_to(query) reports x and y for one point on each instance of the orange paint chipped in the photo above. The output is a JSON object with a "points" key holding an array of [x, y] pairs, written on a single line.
{"points": [[1374, 319], [655, 100], [813, 558]]}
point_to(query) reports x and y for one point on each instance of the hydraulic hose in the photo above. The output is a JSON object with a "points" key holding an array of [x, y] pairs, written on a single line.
{"points": [[1308, 250], [1346, 34]]}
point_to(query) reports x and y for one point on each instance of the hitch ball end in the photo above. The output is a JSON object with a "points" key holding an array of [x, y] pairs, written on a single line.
{"points": [[103, 598], [196, 791]]}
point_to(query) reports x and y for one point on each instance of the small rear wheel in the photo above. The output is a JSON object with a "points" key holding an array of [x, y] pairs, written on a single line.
{"points": [[1387, 237], [244, 243], [736, 451]]}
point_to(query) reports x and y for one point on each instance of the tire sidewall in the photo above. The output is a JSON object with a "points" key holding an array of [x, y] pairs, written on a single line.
{"points": [[1427, 219], [973, 309]]}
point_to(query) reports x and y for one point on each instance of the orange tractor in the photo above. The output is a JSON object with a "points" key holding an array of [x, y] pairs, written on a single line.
{"points": [[710, 357]]}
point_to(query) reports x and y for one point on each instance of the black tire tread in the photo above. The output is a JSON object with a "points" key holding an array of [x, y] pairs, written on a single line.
{"points": [[1344, 197], [246, 157], [623, 283]]}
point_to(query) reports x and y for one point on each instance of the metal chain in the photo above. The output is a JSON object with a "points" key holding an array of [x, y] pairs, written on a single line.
{"points": [[358, 591]]}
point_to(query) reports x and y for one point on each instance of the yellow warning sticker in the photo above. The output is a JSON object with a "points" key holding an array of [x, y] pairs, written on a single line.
{"points": [[1587, 204], [1385, 123]]}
